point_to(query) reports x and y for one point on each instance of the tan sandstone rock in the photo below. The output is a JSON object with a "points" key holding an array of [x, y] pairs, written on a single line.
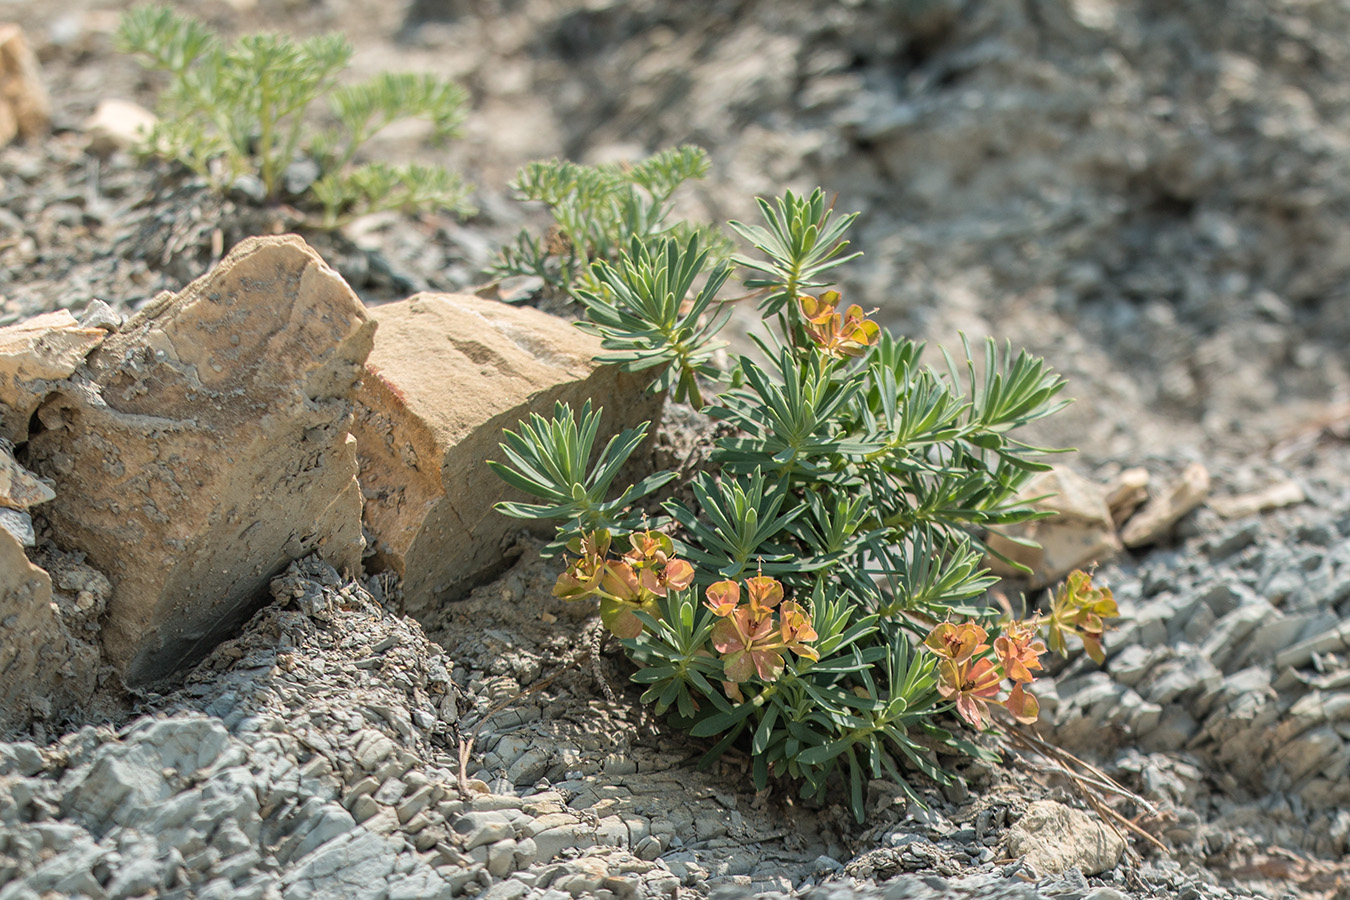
{"points": [[1155, 520], [1055, 838], [447, 374], [1285, 492], [206, 446], [1080, 533], [25, 110], [1127, 493], [42, 669], [19, 488], [118, 125], [34, 355]]}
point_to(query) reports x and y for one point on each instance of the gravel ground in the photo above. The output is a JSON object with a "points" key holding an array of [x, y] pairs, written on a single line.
{"points": [[319, 755], [1152, 196]]}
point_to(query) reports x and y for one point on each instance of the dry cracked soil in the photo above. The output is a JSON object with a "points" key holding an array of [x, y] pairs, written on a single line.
{"points": [[1154, 196]]}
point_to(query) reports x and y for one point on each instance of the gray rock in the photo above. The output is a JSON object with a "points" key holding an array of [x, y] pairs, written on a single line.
{"points": [[300, 176], [355, 865], [1188, 674], [480, 828], [1132, 663], [20, 524], [1274, 634], [21, 758], [649, 848], [512, 890], [330, 822], [248, 189], [529, 766], [1237, 538], [527, 851], [1105, 893], [1302, 653], [99, 314], [426, 884], [1174, 730], [553, 841], [501, 858]]}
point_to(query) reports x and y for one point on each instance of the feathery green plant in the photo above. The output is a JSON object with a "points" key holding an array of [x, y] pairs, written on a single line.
{"points": [[836, 541], [598, 213], [244, 110]]}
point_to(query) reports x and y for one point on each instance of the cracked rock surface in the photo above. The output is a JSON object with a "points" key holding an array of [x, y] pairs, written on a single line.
{"points": [[205, 444]]}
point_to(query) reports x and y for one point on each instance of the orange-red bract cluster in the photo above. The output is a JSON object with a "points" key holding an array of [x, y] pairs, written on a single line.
{"points": [[838, 335], [633, 582], [749, 636], [973, 681]]}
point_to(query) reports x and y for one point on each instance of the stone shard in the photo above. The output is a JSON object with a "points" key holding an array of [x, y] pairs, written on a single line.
{"points": [[25, 110], [19, 524], [19, 488], [1285, 492], [1055, 838], [1152, 523], [45, 670], [1080, 533], [118, 125], [447, 374], [1127, 492], [34, 355], [206, 446]]}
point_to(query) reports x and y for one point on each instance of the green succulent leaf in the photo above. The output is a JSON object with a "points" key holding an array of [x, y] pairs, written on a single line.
{"points": [[642, 309], [801, 243]]}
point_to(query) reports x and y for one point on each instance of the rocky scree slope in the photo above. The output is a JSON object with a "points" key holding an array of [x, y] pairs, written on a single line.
{"points": [[1146, 182], [1153, 196], [319, 752]]}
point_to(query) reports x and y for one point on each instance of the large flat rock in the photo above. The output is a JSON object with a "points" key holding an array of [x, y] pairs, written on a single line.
{"points": [[447, 374], [206, 445]]}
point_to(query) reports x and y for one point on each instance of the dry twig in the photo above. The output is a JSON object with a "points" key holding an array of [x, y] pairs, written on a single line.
{"points": [[1089, 786]]}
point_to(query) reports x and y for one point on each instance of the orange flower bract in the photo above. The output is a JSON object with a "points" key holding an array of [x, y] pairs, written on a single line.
{"points": [[972, 686], [838, 335], [957, 642]]}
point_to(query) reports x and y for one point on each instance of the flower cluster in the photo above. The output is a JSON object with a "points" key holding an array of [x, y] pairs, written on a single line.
{"points": [[838, 335], [973, 681], [1080, 609], [626, 585], [749, 636]]}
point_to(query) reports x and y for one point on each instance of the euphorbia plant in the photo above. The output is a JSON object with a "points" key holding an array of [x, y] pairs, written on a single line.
{"points": [[818, 598]]}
